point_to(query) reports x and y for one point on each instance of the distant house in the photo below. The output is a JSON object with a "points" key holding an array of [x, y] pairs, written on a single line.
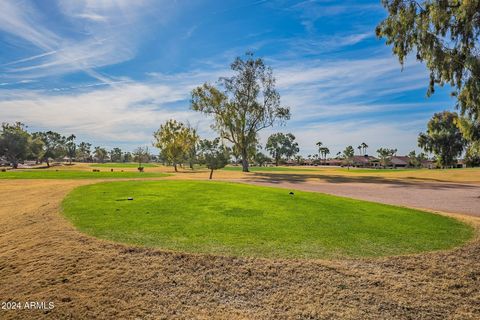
{"points": [[400, 162], [365, 161], [428, 164], [461, 163], [291, 162], [333, 162]]}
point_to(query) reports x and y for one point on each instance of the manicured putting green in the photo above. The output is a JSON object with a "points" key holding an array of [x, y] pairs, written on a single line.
{"points": [[74, 174], [244, 220], [122, 165]]}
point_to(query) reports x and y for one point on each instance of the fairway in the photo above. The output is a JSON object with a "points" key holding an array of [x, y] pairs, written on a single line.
{"points": [[270, 169], [122, 165], [73, 174], [244, 220]]}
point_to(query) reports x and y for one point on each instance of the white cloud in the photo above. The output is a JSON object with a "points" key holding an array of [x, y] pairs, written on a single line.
{"points": [[106, 34], [124, 113]]}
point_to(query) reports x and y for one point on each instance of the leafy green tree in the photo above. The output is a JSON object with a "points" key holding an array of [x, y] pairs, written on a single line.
{"points": [[70, 147], [471, 132], [14, 143], [443, 138], [261, 159], [192, 140], [116, 155], [348, 154], [213, 154], [84, 151], [36, 149], [472, 154], [385, 155], [415, 160], [445, 35], [141, 155], [127, 157], [298, 159], [174, 140], [243, 105], [282, 145], [100, 154], [54, 145]]}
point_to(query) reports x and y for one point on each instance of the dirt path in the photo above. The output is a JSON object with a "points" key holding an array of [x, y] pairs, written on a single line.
{"points": [[437, 196], [43, 258]]}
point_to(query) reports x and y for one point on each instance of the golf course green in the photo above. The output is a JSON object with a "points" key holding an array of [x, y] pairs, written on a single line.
{"points": [[245, 220]]}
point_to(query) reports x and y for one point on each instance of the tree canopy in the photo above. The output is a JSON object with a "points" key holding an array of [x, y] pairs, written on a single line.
{"points": [[243, 104], [54, 144], [14, 142], [443, 34], [141, 155], [470, 130], [385, 155], [348, 154], [116, 155], [100, 153], [84, 151], [213, 154], [443, 138], [71, 147], [175, 141], [282, 145]]}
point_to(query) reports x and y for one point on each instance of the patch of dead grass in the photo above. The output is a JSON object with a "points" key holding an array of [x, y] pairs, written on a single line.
{"points": [[43, 258]]}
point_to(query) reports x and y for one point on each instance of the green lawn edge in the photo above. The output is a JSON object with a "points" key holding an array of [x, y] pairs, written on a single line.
{"points": [[463, 232]]}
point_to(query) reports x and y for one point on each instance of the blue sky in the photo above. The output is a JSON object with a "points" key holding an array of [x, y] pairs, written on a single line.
{"points": [[112, 71]]}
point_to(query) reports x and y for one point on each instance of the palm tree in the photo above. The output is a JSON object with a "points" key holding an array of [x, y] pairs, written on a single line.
{"points": [[359, 149], [364, 147], [324, 151]]}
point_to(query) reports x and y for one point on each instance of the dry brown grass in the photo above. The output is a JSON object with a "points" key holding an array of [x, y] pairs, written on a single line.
{"points": [[43, 258]]}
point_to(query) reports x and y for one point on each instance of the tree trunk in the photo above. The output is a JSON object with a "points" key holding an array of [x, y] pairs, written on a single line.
{"points": [[244, 160], [175, 167], [277, 161], [48, 163], [211, 174]]}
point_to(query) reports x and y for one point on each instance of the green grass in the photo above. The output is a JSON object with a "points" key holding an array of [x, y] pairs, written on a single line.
{"points": [[269, 169], [244, 220], [365, 170], [122, 165], [73, 174]]}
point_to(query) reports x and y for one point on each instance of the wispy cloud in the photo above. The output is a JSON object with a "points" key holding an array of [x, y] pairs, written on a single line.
{"points": [[105, 36]]}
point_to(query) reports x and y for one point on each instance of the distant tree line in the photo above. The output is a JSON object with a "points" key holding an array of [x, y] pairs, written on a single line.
{"points": [[18, 145]]}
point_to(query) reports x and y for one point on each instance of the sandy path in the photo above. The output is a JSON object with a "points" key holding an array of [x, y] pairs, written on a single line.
{"points": [[437, 196], [43, 258]]}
